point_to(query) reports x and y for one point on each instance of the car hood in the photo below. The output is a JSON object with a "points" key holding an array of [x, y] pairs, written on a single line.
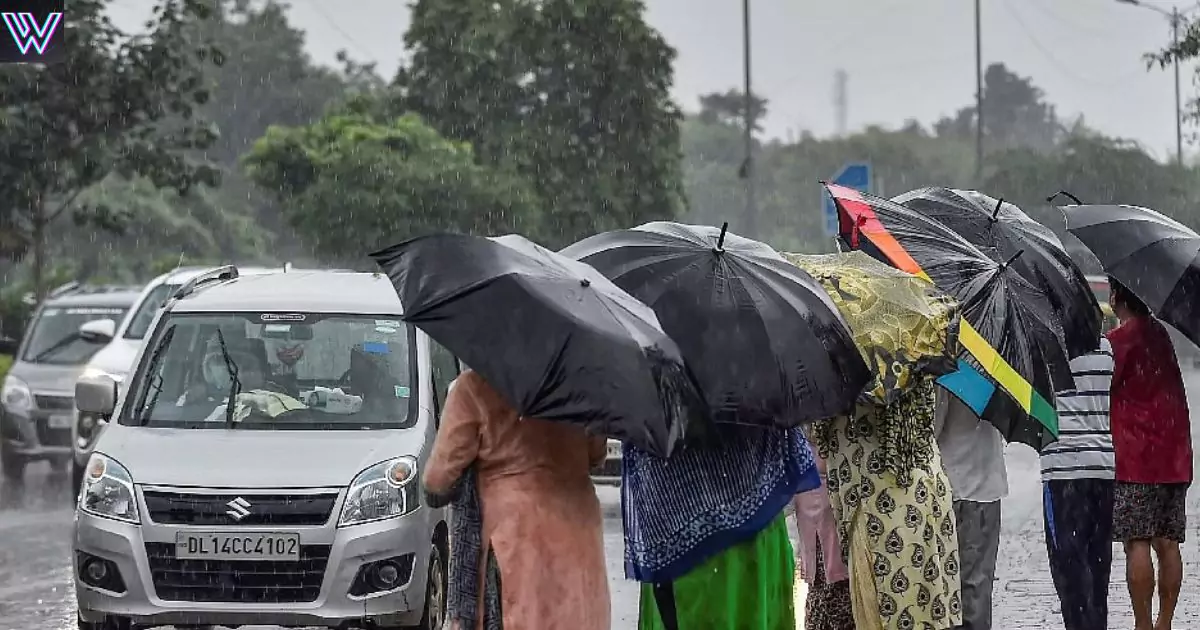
{"points": [[117, 357], [48, 379], [241, 458]]}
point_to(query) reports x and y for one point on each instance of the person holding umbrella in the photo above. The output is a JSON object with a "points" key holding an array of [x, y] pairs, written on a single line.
{"points": [[704, 529], [560, 358], [1151, 435], [886, 482]]}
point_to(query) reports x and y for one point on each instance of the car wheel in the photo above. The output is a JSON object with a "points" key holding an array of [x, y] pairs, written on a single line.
{"points": [[434, 616], [109, 623], [12, 465]]}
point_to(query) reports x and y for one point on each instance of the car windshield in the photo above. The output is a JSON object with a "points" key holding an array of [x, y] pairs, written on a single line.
{"points": [[285, 371], [147, 310], [54, 336]]}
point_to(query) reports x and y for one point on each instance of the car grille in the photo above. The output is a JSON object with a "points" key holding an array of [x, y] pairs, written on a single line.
{"points": [[237, 581], [52, 437], [54, 403], [173, 508]]}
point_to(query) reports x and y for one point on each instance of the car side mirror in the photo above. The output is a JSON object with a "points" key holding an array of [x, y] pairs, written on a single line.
{"points": [[98, 330], [96, 395]]}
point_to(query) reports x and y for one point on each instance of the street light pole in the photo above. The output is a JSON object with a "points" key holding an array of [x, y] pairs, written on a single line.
{"points": [[748, 137], [978, 95], [1176, 19], [1178, 100]]}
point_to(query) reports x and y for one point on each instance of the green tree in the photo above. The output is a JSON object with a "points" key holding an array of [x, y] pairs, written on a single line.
{"points": [[574, 93], [349, 183], [1016, 114], [729, 107], [116, 104]]}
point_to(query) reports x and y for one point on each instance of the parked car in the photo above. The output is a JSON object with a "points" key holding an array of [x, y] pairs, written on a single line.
{"points": [[298, 504], [115, 359], [36, 399]]}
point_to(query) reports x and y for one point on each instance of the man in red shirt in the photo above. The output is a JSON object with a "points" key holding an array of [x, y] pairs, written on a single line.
{"points": [[1152, 441]]}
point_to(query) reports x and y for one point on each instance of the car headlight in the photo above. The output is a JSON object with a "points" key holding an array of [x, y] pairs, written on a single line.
{"points": [[108, 490], [15, 395], [385, 490]]}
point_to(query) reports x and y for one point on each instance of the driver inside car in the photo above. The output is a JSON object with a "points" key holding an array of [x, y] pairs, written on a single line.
{"points": [[258, 393]]}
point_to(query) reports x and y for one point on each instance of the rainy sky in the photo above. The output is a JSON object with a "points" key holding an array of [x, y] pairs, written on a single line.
{"points": [[905, 58]]}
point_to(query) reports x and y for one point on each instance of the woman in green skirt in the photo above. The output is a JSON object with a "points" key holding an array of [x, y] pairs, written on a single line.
{"points": [[705, 530]]}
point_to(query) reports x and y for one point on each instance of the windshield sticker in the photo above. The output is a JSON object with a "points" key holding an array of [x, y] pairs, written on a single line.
{"points": [[390, 323], [401, 391], [281, 317], [94, 311], [375, 347], [50, 312], [387, 330], [277, 328]]}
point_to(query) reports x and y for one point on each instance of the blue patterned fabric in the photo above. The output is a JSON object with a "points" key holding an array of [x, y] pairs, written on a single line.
{"points": [[679, 512]]}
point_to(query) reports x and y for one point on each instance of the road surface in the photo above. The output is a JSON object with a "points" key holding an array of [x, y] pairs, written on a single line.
{"points": [[36, 591]]}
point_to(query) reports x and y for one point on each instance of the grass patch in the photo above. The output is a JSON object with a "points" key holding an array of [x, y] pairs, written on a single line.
{"points": [[6, 362]]}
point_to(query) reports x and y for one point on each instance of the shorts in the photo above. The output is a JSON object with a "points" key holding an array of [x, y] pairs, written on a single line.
{"points": [[1142, 511]]}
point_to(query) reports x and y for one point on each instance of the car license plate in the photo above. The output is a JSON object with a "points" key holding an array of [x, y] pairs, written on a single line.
{"points": [[215, 546], [59, 421], [614, 450]]}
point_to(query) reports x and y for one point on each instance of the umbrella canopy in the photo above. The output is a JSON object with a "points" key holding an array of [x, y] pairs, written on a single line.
{"points": [[1001, 230], [1009, 331], [554, 336], [902, 324], [1153, 255], [764, 341]]}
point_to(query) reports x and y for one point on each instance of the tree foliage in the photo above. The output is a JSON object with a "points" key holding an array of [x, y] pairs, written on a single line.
{"points": [[349, 183], [574, 93], [116, 104]]}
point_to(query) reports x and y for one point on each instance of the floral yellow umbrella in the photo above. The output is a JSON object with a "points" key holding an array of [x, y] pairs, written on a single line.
{"points": [[902, 324]]}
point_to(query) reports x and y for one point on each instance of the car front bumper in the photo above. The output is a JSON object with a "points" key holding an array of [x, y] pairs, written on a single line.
{"points": [[125, 545], [31, 436]]}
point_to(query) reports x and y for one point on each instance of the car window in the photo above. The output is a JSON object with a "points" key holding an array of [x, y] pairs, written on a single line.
{"points": [[54, 335], [445, 370], [287, 371], [146, 311]]}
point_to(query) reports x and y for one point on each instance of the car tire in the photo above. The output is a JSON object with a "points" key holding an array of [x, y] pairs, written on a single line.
{"points": [[109, 623], [12, 465], [434, 615]]}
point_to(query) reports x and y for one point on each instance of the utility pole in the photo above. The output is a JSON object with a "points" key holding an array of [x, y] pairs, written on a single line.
{"points": [[749, 120], [978, 95], [1176, 17]]}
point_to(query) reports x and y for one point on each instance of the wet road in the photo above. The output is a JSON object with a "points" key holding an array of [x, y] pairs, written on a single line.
{"points": [[36, 591]]}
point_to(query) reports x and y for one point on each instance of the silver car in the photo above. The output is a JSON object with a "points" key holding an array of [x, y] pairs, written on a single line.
{"points": [[36, 407], [262, 464]]}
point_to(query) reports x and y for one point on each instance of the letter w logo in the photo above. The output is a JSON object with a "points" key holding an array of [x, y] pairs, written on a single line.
{"points": [[27, 33]]}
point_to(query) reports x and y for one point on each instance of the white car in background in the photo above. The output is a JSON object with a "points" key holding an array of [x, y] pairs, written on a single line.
{"points": [[124, 340]]}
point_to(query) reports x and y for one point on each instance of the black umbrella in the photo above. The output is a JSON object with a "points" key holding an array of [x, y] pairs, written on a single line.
{"points": [[764, 341], [1010, 331], [551, 334], [1000, 230], [1153, 255]]}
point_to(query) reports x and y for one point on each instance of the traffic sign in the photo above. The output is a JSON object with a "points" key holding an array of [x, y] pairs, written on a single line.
{"points": [[856, 175]]}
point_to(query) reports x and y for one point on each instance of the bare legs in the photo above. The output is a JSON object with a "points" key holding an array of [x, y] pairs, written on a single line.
{"points": [[1170, 579], [1139, 573]]}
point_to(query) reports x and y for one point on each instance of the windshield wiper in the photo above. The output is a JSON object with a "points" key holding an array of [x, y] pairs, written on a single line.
{"points": [[235, 384], [142, 417], [58, 345]]}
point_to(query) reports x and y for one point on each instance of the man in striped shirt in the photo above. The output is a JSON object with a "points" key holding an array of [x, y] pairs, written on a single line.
{"points": [[1077, 475]]}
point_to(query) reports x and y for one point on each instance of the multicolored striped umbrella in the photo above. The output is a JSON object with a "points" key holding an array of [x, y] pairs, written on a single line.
{"points": [[1010, 331]]}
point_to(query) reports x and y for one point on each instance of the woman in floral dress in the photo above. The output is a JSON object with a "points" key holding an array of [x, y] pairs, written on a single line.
{"points": [[894, 511]]}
